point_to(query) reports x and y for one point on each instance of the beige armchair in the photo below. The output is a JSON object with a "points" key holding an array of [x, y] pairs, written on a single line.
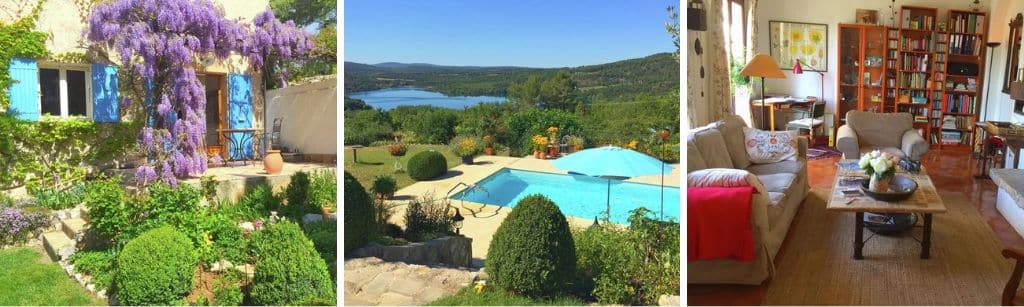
{"points": [[889, 132]]}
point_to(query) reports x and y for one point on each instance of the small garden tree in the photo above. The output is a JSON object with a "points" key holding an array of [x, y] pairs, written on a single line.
{"points": [[160, 42]]}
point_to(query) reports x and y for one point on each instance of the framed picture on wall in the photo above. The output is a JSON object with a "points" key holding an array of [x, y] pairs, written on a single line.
{"points": [[791, 41]]}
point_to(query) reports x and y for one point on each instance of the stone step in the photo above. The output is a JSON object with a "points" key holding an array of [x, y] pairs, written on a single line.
{"points": [[58, 245], [74, 228]]}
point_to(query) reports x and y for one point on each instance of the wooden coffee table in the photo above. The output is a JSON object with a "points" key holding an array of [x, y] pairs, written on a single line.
{"points": [[925, 201]]}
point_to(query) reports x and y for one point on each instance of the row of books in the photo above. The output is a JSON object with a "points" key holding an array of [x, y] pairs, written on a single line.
{"points": [[954, 138], [914, 80], [916, 44], [919, 22], [915, 62], [969, 23], [960, 103], [957, 122], [964, 44]]}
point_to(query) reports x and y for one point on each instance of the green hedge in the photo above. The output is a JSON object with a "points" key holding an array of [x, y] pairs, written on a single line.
{"points": [[532, 253], [523, 126], [288, 269], [156, 268], [358, 214], [427, 165]]}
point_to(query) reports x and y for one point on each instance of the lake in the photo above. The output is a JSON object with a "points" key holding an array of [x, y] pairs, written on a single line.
{"points": [[390, 98]]}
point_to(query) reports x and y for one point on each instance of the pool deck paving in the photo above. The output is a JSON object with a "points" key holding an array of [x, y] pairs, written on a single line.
{"points": [[482, 220]]}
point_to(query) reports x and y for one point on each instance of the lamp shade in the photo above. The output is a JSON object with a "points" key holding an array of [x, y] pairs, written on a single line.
{"points": [[797, 69], [762, 65]]}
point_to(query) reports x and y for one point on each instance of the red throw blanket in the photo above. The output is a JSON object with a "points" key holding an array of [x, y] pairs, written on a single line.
{"points": [[718, 223]]}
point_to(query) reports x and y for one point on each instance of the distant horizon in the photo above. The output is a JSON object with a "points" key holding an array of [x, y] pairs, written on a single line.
{"points": [[527, 34], [476, 66]]}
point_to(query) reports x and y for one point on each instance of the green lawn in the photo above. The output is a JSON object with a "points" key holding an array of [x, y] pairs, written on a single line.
{"points": [[376, 161], [27, 279], [498, 297]]}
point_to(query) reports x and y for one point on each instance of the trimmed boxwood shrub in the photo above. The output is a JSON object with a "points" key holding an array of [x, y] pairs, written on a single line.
{"points": [[427, 165], [358, 213], [288, 269], [156, 268], [532, 252]]}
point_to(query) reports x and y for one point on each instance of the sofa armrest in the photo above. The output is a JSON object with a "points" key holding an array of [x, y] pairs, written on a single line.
{"points": [[801, 147], [846, 142], [713, 177], [914, 145]]}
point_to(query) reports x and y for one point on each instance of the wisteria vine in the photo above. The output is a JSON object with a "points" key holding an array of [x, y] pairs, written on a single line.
{"points": [[160, 41]]}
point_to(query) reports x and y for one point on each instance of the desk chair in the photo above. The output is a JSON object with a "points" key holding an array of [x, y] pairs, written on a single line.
{"points": [[810, 120]]}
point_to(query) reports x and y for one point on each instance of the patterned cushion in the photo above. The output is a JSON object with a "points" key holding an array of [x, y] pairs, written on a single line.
{"points": [[770, 147]]}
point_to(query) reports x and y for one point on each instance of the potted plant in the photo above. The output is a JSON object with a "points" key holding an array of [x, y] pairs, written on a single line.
{"points": [[553, 137], [397, 149], [575, 143], [489, 145], [465, 147], [881, 167], [540, 143], [384, 187]]}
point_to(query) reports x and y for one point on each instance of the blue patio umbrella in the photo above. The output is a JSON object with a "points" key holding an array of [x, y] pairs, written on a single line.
{"points": [[612, 162]]}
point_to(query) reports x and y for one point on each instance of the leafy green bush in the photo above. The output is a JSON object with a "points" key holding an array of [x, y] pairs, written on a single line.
{"points": [[427, 218], [358, 214], [323, 191], [55, 198], [156, 268], [524, 125], [385, 185], [215, 237], [324, 236], [110, 212], [165, 205], [227, 290], [365, 126], [466, 146], [431, 125], [254, 205], [630, 266], [288, 270], [297, 194], [101, 265], [532, 252], [427, 165]]}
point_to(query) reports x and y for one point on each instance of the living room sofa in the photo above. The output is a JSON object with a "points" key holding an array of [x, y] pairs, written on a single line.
{"points": [[721, 145]]}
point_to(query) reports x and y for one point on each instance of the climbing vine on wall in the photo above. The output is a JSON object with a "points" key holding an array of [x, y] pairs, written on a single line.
{"points": [[19, 40]]}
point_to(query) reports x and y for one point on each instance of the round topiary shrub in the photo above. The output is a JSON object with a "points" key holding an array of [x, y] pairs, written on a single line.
{"points": [[427, 165], [288, 269], [358, 213], [532, 252], [156, 268]]}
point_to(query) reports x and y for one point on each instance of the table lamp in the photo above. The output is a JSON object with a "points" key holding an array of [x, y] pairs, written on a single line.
{"points": [[762, 65], [798, 70]]}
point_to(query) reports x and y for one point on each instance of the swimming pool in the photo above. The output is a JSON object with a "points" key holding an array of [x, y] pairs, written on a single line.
{"points": [[576, 195]]}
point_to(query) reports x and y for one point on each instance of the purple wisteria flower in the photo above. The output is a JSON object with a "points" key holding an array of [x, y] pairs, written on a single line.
{"points": [[145, 174], [16, 224], [160, 41]]}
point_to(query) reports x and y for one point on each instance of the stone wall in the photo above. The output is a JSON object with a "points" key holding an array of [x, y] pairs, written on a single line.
{"points": [[452, 250]]}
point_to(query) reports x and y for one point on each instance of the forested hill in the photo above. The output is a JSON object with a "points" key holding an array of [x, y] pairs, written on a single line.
{"points": [[656, 74]]}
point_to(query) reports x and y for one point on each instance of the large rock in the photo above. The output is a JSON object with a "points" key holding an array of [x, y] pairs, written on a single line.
{"points": [[452, 250], [311, 217], [668, 300]]}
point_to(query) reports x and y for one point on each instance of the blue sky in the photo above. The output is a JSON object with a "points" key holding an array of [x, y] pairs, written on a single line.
{"points": [[529, 33]]}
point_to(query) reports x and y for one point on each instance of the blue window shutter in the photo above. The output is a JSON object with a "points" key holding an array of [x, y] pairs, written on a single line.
{"points": [[104, 94], [24, 92], [240, 114]]}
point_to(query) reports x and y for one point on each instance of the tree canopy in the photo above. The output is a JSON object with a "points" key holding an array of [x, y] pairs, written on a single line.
{"points": [[305, 12]]}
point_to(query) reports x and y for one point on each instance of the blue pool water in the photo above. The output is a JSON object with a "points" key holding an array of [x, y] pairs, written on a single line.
{"points": [[576, 195]]}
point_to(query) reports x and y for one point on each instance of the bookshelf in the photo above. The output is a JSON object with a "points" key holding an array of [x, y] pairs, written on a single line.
{"points": [[915, 71], [962, 88], [862, 82]]}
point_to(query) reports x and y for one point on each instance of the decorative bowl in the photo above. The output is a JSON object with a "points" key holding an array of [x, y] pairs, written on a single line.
{"points": [[900, 188]]}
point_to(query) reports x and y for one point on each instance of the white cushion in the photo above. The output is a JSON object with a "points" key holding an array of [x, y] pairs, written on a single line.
{"points": [[807, 122], [770, 147]]}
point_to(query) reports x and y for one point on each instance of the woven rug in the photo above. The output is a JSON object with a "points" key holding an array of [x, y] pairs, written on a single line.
{"points": [[822, 152], [816, 266]]}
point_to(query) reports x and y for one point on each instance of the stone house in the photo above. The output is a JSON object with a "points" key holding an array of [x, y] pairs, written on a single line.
{"points": [[78, 80]]}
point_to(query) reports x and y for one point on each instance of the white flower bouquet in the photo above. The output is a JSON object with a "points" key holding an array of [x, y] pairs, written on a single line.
{"points": [[881, 166]]}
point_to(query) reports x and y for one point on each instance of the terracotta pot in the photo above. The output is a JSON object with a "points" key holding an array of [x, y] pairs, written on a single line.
{"points": [[553, 151], [326, 210], [536, 154], [879, 184], [489, 151], [273, 162]]}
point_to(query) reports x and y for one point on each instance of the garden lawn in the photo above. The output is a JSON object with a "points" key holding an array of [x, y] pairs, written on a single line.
{"points": [[498, 297], [376, 161], [26, 279]]}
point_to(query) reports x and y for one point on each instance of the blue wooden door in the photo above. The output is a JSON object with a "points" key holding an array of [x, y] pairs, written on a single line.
{"points": [[240, 115], [24, 92], [104, 94]]}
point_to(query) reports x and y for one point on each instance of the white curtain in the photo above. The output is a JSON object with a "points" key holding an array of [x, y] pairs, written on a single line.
{"points": [[707, 91]]}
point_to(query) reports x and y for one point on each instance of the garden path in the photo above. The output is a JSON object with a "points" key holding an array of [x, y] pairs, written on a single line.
{"points": [[371, 281]]}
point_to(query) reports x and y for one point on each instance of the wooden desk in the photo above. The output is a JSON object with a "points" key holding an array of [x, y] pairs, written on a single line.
{"points": [[778, 103]]}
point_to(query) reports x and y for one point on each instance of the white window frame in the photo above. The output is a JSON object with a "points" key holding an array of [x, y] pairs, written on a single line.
{"points": [[62, 69]]}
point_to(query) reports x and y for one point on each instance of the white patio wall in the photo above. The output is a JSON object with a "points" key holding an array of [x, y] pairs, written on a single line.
{"points": [[310, 116]]}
